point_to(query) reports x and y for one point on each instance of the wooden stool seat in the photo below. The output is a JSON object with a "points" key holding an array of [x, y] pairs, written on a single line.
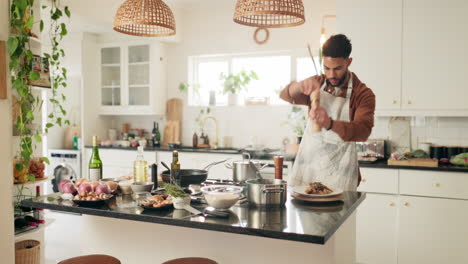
{"points": [[191, 261], [91, 259]]}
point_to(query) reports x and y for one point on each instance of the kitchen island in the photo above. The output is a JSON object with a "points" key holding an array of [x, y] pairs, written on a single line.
{"points": [[300, 232]]}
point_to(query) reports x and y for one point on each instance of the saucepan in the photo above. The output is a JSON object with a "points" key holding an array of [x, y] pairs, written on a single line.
{"points": [[190, 176], [242, 169]]}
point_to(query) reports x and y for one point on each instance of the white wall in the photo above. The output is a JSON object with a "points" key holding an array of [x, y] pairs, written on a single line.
{"points": [[207, 28], [72, 44], [7, 252]]}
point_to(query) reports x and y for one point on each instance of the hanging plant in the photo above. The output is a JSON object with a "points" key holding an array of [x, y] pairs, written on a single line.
{"points": [[22, 75]]}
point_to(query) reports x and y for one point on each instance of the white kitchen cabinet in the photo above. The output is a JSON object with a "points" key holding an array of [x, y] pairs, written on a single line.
{"points": [[132, 79], [432, 230], [374, 28], [116, 163], [376, 229], [434, 54]]}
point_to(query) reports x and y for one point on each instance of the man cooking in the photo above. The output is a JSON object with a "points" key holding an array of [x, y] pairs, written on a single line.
{"points": [[345, 115]]}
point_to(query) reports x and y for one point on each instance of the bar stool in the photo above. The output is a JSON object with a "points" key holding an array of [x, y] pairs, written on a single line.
{"points": [[91, 259], [191, 261]]}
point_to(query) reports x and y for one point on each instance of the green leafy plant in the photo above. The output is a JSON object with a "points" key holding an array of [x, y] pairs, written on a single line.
{"points": [[297, 120], [174, 190], [234, 83], [184, 87], [204, 112], [20, 66]]}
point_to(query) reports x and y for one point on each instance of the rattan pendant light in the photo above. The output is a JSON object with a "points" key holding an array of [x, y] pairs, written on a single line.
{"points": [[269, 13], [147, 18]]}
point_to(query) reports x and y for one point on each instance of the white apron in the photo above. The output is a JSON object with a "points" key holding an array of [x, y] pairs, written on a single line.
{"points": [[323, 156]]}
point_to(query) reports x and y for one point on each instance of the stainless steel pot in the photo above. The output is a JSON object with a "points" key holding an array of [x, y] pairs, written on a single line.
{"points": [[266, 192], [242, 170]]}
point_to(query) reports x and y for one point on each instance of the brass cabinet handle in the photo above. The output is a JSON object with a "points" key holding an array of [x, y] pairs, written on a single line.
{"points": [[437, 185], [410, 102], [363, 179], [394, 102], [406, 204], [392, 204]]}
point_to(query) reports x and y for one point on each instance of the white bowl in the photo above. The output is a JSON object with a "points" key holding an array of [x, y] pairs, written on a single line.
{"points": [[221, 197], [139, 187]]}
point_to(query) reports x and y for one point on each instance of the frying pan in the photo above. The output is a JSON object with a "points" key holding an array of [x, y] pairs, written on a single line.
{"points": [[190, 176]]}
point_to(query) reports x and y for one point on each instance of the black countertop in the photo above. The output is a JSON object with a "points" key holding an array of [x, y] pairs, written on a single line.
{"points": [[262, 155], [297, 221], [382, 164]]}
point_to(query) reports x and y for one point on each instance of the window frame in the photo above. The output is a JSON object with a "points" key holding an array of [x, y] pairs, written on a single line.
{"points": [[194, 61]]}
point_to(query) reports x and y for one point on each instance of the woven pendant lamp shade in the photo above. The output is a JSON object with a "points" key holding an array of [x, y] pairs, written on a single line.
{"points": [[269, 13], [147, 18]]}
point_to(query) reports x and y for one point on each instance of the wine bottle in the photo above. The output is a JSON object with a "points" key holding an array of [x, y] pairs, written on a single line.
{"points": [[140, 167], [157, 135], [175, 168], [95, 163]]}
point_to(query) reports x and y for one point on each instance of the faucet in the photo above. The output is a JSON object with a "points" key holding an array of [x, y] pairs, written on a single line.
{"points": [[215, 141]]}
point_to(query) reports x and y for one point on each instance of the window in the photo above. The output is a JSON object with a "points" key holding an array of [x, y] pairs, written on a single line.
{"points": [[274, 70], [305, 68]]}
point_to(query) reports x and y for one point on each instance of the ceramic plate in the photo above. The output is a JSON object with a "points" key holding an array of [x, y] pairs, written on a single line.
{"points": [[301, 190]]}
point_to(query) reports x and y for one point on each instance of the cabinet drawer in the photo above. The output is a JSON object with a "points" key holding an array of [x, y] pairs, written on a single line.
{"points": [[379, 180], [434, 184]]}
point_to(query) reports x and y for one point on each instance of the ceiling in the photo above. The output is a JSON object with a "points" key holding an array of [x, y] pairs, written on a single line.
{"points": [[98, 16]]}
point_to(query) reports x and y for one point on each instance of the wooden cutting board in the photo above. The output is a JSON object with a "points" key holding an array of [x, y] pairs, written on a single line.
{"points": [[173, 126], [334, 198], [415, 162]]}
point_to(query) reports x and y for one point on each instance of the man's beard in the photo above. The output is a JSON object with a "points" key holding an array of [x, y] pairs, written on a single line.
{"points": [[340, 80]]}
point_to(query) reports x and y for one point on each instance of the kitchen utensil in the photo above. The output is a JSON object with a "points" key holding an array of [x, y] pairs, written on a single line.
{"points": [[173, 124], [154, 175], [415, 162], [301, 190], [266, 192], [452, 151], [278, 161], [139, 187], [438, 152], [221, 197], [190, 176], [165, 166], [192, 210], [242, 169], [255, 169]]}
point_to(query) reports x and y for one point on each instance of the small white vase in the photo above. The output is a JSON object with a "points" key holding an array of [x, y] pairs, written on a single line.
{"points": [[233, 99], [181, 202]]}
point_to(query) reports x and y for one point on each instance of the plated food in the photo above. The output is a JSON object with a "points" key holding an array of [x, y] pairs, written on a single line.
{"points": [[157, 201], [318, 188]]}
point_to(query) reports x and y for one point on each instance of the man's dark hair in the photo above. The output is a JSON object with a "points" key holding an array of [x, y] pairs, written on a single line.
{"points": [[337, 46]]}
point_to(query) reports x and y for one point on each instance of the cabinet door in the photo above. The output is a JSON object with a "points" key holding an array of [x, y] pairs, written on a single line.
{"points": [[138, 75], [435, 54], [111, 76], [376, 230], [374, 28], [432, 230]]}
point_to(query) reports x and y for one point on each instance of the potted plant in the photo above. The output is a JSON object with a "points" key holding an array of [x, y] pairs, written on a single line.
{"points": [[180, 198], [297, 121], [234, 83]]}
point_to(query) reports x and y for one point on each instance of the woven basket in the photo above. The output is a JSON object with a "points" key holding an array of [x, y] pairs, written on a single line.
{"points": [[269, 13], [146, 18], [27, 252]]}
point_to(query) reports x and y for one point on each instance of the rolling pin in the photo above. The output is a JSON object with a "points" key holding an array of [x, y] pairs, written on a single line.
{"points": [[314, 104]]}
